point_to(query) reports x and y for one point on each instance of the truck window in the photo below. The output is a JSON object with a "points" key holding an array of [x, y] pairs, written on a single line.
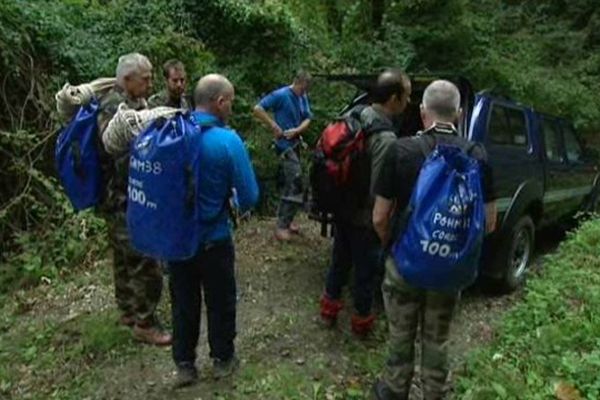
{"points": [[552, 140], [507, 126], [571, 144]]}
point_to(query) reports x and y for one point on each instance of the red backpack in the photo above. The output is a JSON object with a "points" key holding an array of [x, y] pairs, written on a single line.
{"points": [[340, 168]]}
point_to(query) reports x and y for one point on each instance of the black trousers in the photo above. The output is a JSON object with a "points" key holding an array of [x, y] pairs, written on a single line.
{"points": [[211, 272], [358, 248]]}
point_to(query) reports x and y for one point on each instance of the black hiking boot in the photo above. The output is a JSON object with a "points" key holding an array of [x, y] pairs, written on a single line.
{"points": [[223, 369], [186, 376], [383, 392]]}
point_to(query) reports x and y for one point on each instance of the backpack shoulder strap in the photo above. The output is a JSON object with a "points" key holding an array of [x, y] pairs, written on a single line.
{"points": [[356, 116]]}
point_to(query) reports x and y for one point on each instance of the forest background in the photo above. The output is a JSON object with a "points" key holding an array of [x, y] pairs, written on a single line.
{"points": [[543, 53]]}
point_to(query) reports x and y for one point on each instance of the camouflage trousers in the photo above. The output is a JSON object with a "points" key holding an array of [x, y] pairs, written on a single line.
{"points": [[407, 308], [138, 279], [292, 188]]}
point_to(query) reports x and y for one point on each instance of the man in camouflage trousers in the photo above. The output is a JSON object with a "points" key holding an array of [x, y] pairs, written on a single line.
{"points": [[407, 306], [174, 93], [138, 279]]}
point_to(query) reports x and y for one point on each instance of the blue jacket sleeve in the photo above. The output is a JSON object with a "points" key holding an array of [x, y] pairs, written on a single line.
{"points": [[242, 174]]}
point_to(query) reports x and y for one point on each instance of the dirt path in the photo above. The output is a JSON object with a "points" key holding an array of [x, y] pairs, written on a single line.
{"points": [[285, 353]]}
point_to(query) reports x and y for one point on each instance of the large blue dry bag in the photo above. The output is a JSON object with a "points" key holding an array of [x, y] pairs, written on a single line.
{"points": [[161, 205], [441, 245], [77, 159]]}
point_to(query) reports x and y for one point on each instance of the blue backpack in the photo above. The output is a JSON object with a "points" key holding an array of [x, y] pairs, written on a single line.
{"points": [[162, 208], [441, 244], [77, 158]]}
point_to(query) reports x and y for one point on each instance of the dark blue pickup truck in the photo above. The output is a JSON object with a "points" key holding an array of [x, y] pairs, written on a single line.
{"points": [[541, 174]]}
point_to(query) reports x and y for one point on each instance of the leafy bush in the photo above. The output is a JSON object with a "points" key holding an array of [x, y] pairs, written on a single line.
{"points": [[47, 44], [548, 341], [542, 53]]}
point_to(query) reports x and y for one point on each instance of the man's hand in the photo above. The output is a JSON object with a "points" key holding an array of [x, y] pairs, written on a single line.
{"points": [[291, 133], [277, 131], [262, 116], [491, 217]]}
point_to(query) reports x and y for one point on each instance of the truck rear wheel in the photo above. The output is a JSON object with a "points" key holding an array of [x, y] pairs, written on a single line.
{"points": [[515, 254]]}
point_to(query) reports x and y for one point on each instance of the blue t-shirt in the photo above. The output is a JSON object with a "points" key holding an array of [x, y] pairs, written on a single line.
{"points": [[289, 111], [224, 164]]}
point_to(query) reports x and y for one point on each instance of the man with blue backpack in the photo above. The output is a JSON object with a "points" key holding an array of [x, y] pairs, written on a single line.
{"points": [[221, 169], [138, 279], [291, 118], [96, 176], [434, 204]]}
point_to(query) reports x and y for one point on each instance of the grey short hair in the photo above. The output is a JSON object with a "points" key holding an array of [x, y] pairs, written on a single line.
{"points": [[210, 87], [302, 76], [131, 63], [442, 98]]}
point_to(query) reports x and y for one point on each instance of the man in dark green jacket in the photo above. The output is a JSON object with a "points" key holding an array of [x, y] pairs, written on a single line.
{"points": [[355, 244], [174, 93]]}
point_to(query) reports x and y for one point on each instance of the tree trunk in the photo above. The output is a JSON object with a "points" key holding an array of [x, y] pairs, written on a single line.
{"points": [[377, 11], [334, 17]]}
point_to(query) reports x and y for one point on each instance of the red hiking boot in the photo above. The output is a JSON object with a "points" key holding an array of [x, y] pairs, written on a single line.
{"points": [[362, 326], [329, 309], [152, 334]]}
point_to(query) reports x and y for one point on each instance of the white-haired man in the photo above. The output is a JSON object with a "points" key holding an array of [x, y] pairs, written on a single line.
{"points": [[406, 305], [138, 279]]}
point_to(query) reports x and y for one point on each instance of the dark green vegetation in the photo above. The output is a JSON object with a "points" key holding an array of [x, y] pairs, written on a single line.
{"points": [[547, 344], [546, 53]]}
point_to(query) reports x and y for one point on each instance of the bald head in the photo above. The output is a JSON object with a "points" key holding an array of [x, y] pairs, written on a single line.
{"points": [[441, 100], [210, 87], [214, 93]]}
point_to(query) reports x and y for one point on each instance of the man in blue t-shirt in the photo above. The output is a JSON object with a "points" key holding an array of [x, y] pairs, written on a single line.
{"points": [[224, 167], [291, 118]]}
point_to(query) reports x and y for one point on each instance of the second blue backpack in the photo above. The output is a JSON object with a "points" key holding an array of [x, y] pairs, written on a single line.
{"points": [[441, 244], [77, 159], [161, 205]]}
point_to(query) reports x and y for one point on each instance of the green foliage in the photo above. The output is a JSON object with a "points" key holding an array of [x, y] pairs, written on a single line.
{"points": [[45, 44], [250, 35], [73, 241], [59, 353], [41, 236], [541, 53], [438, 30], [551, 337]]}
